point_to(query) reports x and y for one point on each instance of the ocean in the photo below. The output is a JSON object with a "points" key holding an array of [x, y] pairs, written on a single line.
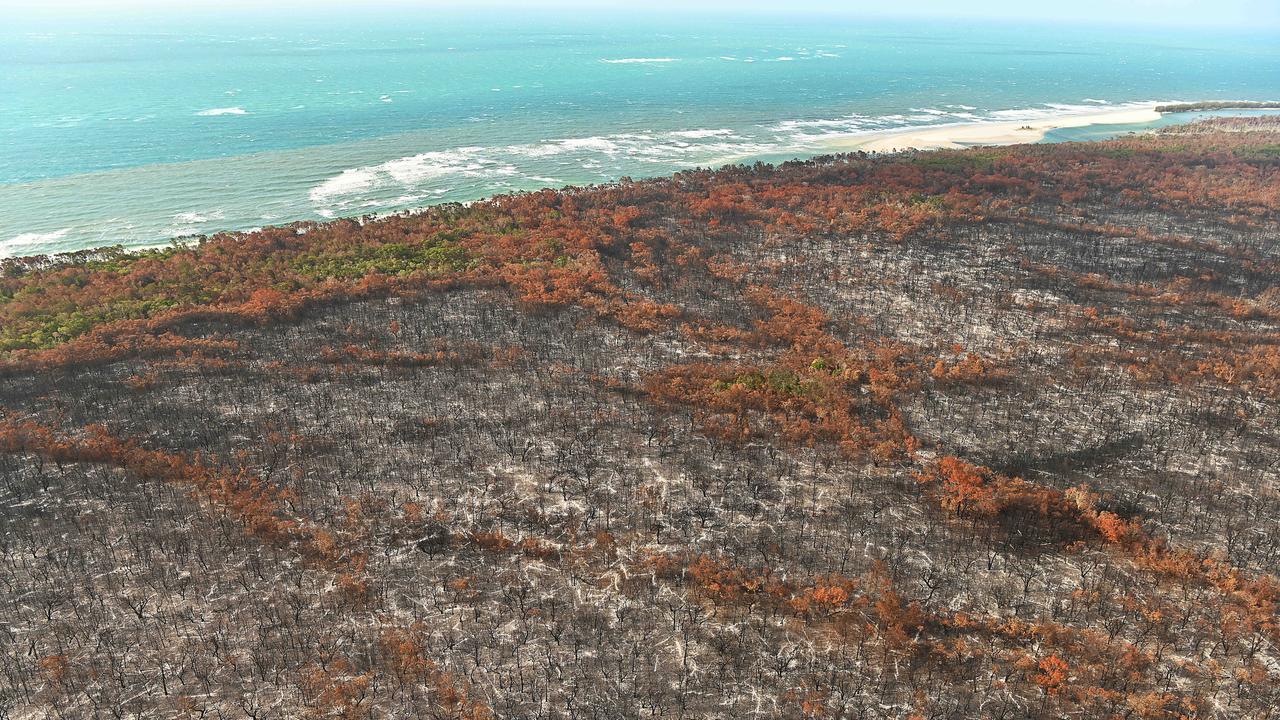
{"points": [[137, 130]]}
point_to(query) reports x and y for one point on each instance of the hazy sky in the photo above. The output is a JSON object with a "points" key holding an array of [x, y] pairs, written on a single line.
{"points": [[1241, 13]]}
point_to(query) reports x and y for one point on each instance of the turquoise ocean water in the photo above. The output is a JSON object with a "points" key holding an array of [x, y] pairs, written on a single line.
{"points": [[136, 130]]}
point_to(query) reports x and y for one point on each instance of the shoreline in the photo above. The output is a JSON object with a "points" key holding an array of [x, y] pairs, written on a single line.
{"points": [[955, 136]]}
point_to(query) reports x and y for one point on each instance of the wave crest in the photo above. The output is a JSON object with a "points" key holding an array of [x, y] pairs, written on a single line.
{"points": [[631, 61], [214, 112], [31, 242]]}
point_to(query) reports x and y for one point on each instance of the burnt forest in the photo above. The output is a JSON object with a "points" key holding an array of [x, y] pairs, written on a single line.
{"points": [[982, 433]]}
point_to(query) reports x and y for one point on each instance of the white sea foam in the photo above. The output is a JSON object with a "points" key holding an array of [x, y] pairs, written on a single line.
{"points": [[631, 61], [558, 147], [195, 218], [699, 134], [596, 144], [1023, 113], [35, 237], [411, 171], [406, 200], [188, 223], [32, 242], [213, 112], [515, 166], [808, 133], [352, 187], [849, 122], [64, 121], [1058, 109], [350, 181]]}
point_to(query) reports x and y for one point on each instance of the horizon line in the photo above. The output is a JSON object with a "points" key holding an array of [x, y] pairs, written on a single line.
{"points": [[71, 11]]}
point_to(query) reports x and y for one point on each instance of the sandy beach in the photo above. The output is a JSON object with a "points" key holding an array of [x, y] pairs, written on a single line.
{"points": [[960, 135]]}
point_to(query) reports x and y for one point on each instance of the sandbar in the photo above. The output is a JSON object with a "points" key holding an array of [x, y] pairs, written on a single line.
{"points": [[972, 134]]}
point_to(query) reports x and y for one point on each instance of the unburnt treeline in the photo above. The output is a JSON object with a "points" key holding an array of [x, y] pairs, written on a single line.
{"points": [[988, 433]]}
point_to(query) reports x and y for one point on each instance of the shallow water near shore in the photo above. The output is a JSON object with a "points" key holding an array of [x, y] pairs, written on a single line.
{"points": [[134, 133]]}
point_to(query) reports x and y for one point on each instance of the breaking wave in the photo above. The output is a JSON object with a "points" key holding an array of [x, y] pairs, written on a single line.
{"points": [[214, 112], [529, 165], [32, 242]]}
